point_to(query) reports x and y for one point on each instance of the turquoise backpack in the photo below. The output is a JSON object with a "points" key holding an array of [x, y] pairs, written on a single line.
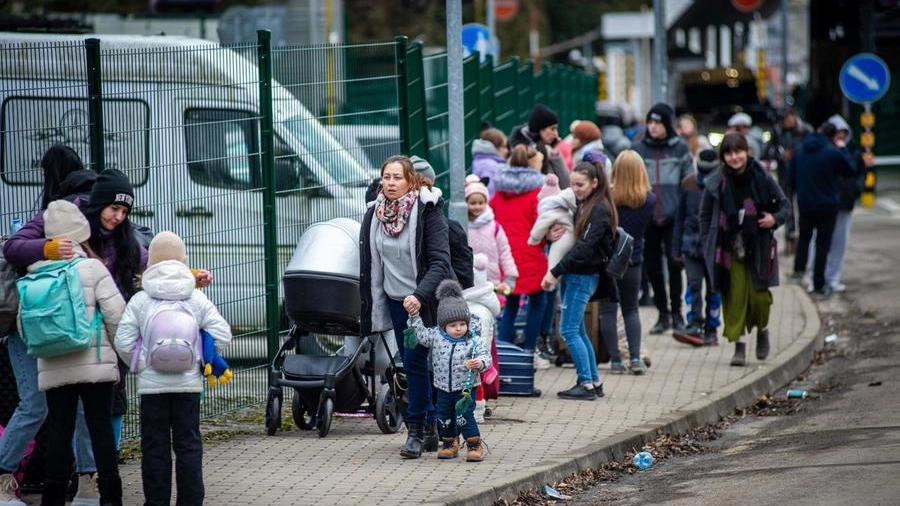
{"points": [[52, 313]]}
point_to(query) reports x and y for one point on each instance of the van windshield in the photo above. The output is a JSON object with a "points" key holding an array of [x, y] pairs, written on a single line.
{"points": [[341, 165]]}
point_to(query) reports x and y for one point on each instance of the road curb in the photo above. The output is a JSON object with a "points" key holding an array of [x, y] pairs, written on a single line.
{"points": [[768, 377]]}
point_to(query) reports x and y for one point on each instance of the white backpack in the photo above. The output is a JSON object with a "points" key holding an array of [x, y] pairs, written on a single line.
{"points": [[172, 338]]}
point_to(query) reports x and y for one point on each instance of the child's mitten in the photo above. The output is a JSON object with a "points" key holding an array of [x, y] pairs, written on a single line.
{"points": [[409, 338]]}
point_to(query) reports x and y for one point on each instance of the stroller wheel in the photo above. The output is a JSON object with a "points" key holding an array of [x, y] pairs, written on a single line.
{"points": [[325, 417], [273, 413], [304, 417], [387, 412]]}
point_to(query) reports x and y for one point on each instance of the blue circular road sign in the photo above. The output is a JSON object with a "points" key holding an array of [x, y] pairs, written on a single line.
{"points": [[476, 37], [865, 78]]}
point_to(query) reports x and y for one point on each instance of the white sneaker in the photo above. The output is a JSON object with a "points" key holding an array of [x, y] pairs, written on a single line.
{"points": [[839, 288], [87, 494], [8, 488], [540, 362]]}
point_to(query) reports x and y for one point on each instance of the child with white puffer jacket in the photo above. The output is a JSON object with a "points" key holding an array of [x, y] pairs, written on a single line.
{"points": [[484, 304], [555, 207], [170, 399]]}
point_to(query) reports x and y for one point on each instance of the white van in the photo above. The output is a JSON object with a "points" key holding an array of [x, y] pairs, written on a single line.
{"points": [[181, 118]]}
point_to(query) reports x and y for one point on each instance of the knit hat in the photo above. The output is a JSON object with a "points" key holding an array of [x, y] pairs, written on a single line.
{"points": [[475, 186], [595, 155], [423, 167], [452, 306], [166, 246], [586, 131], [541, 117], [740, 119], [664, 114], [63, 220], [111, 187], [707, 161]]}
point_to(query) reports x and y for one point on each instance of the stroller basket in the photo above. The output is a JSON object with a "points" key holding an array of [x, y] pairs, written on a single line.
{"points": [[309, 374]]}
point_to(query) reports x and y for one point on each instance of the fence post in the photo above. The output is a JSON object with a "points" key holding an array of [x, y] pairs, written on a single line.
{"points": [[95, 104], [402, 92], [267, 163]]}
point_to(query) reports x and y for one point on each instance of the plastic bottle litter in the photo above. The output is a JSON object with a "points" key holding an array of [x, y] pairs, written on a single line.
{"points": [[15, 225], [642, 460], [797, 394]]}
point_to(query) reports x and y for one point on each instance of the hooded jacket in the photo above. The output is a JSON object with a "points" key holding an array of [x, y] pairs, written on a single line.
{"points": [[668, 162], [552, 164], [487, 237], [168, 280], [448, 355], [814, 173], [431, 262], [100, 294], [515, 208], [486, 161]]}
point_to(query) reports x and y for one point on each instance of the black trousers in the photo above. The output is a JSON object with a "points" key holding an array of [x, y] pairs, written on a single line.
{"points": [[823, 224], [658, 242], [62, 405], [171, 421]]}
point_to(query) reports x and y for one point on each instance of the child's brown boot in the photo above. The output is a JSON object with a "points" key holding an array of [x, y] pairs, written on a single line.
{"points": [[449, 448], [474, 450]]}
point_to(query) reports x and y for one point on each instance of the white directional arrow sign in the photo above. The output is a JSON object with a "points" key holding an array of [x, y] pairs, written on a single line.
{"points": [[864, 78], [857, 73]]}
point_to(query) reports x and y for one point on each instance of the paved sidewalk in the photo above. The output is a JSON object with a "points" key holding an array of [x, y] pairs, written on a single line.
{"points": [[532, 441]]}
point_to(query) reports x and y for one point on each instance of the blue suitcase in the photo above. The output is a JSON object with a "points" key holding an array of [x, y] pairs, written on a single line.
{"points": [[516, 370]]}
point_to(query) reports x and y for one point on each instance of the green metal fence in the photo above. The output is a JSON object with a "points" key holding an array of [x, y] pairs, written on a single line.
{"points": [[239, 149]]}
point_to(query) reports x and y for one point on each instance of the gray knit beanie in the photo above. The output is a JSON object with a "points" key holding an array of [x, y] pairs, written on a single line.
{"points": [[452, 306]]}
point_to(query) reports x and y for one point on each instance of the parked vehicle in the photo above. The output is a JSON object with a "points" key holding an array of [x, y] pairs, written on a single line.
{"points": [[181, 118], [370, 144]]}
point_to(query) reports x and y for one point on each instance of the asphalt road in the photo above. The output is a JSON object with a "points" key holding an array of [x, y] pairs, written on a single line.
{"points": [[842, 446]]}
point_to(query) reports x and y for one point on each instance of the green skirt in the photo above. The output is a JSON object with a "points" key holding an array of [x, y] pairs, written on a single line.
{"points": [[743, 307]]}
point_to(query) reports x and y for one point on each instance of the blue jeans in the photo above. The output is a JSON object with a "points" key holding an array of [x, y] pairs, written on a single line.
{"points": [[31, 412], [419, 407], [506, 327], [575, 293], [448, 424]]}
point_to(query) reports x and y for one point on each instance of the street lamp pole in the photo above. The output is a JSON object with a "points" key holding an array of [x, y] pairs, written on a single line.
{"points": [[660, 78]]}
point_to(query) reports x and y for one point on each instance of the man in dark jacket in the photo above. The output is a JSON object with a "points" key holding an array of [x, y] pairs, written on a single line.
{"points": [[668, 161], [814, 173]]}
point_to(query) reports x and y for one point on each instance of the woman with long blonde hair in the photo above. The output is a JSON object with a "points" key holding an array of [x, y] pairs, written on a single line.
{"points": [[634, 201]]}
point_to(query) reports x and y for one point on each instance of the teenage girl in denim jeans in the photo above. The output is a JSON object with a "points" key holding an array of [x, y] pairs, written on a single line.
{"points": [[581, 272]]}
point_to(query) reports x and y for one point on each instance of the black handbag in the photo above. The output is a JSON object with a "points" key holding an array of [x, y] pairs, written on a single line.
{"points": [[620, 259]]}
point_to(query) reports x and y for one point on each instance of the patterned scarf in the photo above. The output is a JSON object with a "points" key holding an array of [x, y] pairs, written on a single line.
{"points": [[393, 214]]}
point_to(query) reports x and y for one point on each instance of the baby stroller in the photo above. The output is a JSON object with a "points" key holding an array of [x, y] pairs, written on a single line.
{"points": [[321, 295]]}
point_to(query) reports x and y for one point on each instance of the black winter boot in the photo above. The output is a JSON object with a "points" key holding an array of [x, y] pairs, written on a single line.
{"points": [[414, 441], [740, 355], [110, 488], [663, 324], [431, 439], [762, 344], [53, 494]]}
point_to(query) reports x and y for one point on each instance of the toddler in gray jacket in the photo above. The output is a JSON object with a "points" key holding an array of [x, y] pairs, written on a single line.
{"points": [[458, 357]]}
